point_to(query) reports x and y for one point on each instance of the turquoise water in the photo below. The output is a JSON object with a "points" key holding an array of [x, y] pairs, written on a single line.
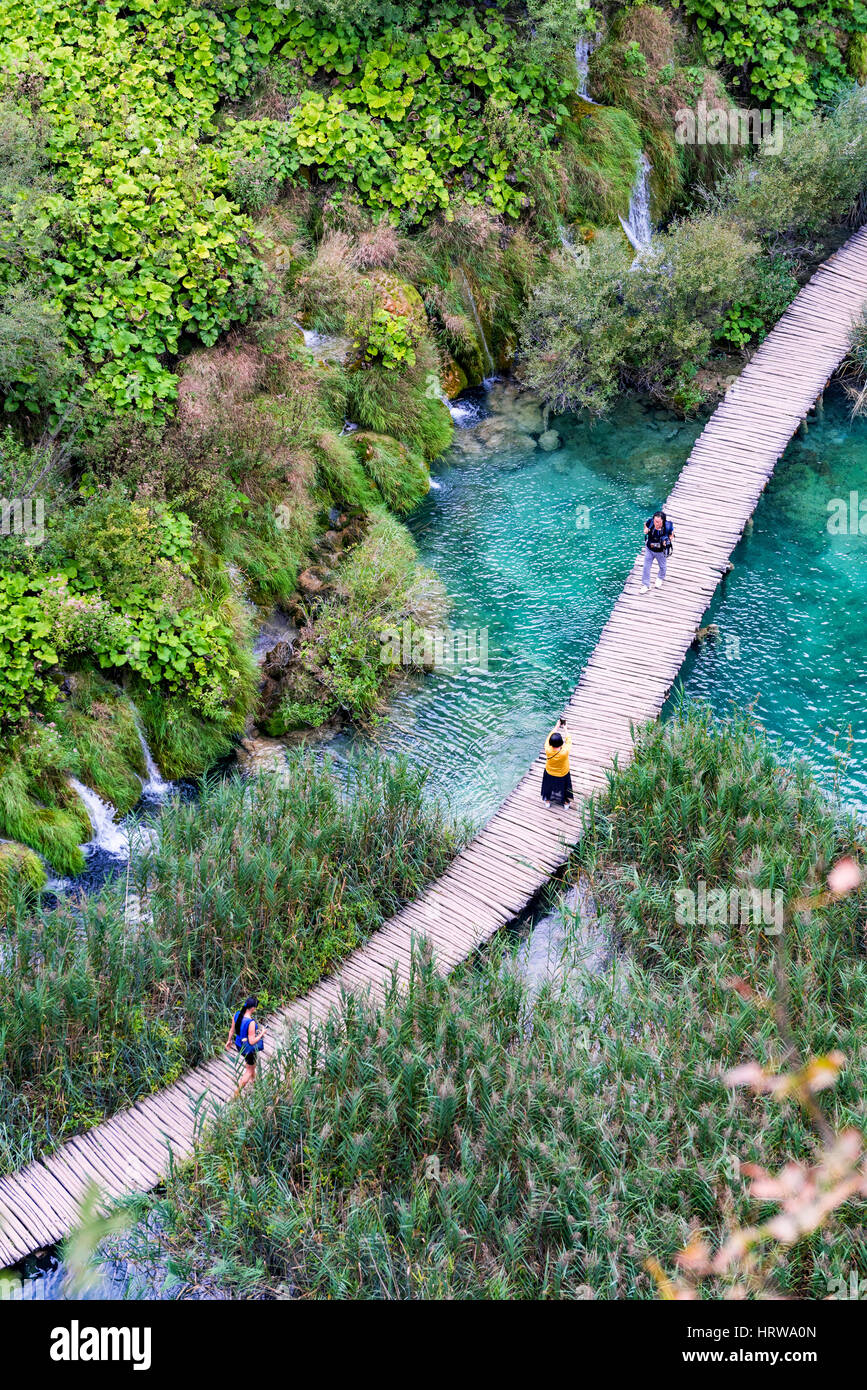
{"points": [[500, 530], [793, 614]]}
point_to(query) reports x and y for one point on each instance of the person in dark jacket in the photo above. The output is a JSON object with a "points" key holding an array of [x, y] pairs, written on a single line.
{"points": [[658, 535]]}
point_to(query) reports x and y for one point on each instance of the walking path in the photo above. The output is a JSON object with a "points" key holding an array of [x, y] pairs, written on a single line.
{"points": [[625, 683]]}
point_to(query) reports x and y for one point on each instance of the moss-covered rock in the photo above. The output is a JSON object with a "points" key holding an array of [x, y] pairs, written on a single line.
{"points": [[399, 297], [400, 474], [21, 871], [453, 378]]}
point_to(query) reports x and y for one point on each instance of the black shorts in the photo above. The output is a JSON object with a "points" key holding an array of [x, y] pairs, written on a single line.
{"points": [[248, 1058]]}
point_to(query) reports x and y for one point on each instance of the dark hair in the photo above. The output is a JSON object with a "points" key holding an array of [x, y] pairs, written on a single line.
{"points": [[556, 739], [251, 1002], [658, 512]]}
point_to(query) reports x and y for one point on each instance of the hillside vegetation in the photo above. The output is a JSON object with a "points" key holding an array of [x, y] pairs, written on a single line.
{"points": [[226, 230]]}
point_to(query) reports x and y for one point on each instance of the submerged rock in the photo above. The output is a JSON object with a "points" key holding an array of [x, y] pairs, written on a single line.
{"points": [[549, 441]]}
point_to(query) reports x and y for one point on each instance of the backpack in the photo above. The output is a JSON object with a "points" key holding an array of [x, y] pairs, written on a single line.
{"points": [[667, 529]]}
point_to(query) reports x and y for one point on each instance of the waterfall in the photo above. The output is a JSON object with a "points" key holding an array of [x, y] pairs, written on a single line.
{"points": [[465, 414], [154, 784], [489, 361], [584, 46], [637, 226], [112, 839]]}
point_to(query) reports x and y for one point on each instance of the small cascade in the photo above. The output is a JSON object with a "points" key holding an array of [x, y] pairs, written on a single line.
{"points": [[154, 785], [464, 413], [583, 48], [489, 361], [108, 837], [326, 347], [637, 226]]}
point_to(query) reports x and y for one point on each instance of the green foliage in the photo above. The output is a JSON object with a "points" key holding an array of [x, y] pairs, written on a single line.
{"points": [[258, 886], [140, 559], [816, 176], [138, 243], [340, 668], [775, 288], [407, 405], [27, 653], [591, 329], [600, 151], [37, 808], [21, 875], [386, 339], [98, 726], [401, 476], [36, 366], [789, 56]]}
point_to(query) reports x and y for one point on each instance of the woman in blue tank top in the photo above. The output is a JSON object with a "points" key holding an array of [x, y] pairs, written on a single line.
{"points": [[246, 1035]]}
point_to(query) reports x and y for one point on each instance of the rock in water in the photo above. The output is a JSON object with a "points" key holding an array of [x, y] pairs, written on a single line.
{"points": [[549, 441]]}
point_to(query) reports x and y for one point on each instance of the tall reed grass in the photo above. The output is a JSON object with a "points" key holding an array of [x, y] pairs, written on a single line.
{"points": [[461, 1142], [258, 886]]}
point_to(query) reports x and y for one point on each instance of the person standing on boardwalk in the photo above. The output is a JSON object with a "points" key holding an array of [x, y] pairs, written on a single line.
{"points": [[658, 535], [557, 779], [246, 1036]]}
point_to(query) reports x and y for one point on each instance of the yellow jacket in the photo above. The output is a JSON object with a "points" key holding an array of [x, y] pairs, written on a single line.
{"points": [[557, 759]]}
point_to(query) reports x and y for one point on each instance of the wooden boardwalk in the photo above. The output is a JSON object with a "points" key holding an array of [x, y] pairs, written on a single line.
{"points": [[624, 683]]}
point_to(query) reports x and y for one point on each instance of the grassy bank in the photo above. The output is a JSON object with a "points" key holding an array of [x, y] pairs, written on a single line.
{"points": [[442, 1147], [260, 886]]}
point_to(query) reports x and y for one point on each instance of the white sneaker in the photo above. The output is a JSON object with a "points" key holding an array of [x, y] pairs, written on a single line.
{"points": [[644, 588], [659, 583]]}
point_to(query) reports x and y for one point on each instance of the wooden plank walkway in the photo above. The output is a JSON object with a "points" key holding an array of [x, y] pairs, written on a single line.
{"points": [[625, 683]]}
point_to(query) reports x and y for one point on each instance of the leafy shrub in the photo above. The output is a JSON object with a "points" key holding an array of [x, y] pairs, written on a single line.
{"points": [[385, 339], [151, 248], [791, 56], [775, 288], [817, 176], [588, 330], [339, 667], [36, 365], [27, 654]]}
